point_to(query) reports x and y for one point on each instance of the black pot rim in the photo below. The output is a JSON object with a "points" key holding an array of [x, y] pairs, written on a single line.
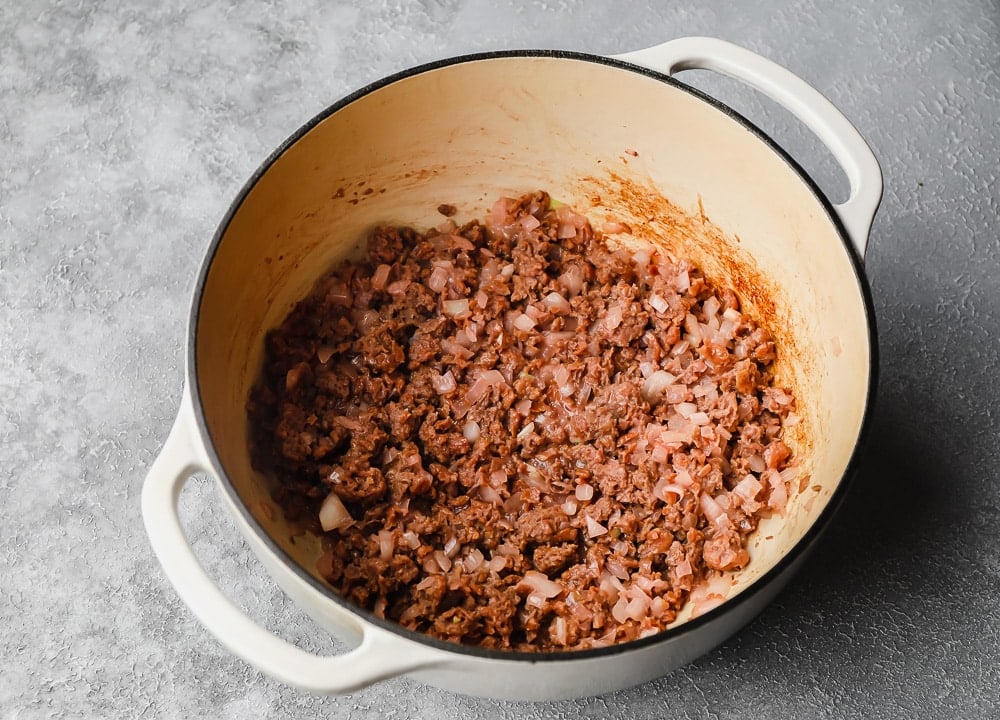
{"points": [[691, 626]]}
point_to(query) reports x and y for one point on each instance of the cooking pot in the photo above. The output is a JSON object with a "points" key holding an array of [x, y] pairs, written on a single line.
{"points": [[617, 138]]}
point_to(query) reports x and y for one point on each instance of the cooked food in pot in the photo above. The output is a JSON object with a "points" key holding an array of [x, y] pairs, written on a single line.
{"points": [[515, 436]]}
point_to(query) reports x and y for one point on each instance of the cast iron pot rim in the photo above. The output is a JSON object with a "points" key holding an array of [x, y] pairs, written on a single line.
{"points": [[747, 594]]}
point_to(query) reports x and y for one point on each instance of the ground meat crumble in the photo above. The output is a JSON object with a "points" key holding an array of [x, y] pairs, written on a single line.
{"points": [[517, 438]]}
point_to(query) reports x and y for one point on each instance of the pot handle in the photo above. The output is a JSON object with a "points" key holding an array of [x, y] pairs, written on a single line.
{"points": [[380, 655], [798, 97]]}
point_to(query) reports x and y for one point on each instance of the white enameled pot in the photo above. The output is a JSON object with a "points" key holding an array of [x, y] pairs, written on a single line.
{"points": [[616, 137]]}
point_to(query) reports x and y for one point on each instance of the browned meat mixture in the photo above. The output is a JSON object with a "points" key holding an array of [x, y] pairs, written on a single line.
{"points": [[517, 438]]}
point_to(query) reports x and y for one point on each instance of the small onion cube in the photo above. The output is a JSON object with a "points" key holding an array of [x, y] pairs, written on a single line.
{"points": [[444, 384], [411, 539], [594, 528], [380, 276], [442, 559], [558, 630], [386, 544], [453, 348], [557, 303], [471, 431], [524, 323], [438, 279], [454, 308], [654, 386], [333, 514], [473, 560], [710, 307], [699, 418], [398, 287], [614, 317], [540, 584], [572, 280], [530, 222], [686, 409], [683, 280]]}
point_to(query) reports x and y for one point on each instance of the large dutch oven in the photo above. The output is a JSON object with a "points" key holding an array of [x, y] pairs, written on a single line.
{"points": [[616, 137]]}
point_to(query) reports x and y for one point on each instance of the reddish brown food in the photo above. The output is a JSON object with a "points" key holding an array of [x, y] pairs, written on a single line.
{"points": [[518, 438]]}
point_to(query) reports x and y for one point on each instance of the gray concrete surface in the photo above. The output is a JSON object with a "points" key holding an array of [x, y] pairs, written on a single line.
{"points": [[125, 130]]}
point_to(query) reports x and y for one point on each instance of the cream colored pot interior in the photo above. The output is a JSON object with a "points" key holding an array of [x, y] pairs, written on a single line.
{"points": [[612, 142]]}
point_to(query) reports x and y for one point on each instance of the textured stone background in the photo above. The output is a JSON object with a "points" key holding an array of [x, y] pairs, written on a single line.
{"points": [[125, 129]]}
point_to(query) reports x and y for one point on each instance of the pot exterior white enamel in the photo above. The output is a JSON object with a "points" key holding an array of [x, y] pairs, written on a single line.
{"points": [[615, 140]]}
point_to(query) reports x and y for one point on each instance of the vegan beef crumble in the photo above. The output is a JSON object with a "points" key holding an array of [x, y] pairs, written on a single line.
{"points": [[515, 437]]}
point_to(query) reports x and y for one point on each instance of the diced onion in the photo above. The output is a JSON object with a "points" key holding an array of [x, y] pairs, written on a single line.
{"points": [[572, 280], [471, 431], [664, 486], [540, 584], [557, 303], [454, 308], [453, 348], [411, 539], [443, 561], [530, 222], [779, 493], [584, 492], [711, 307], [333, 514], [620, 611], [490, 495], [714, 512], [386, 544], [438, 279], [566, 230], [524, 323], [444, 384], [558, 630], [699, 418], [380, 276], [473, 560], [686, 409], [656, 384], [658, 303], [483, 383], [594, 528], [398, 287], [613, 318]]}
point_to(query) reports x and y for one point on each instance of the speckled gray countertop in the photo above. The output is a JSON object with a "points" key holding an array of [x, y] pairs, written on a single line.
{"points": [[126, 129]]}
